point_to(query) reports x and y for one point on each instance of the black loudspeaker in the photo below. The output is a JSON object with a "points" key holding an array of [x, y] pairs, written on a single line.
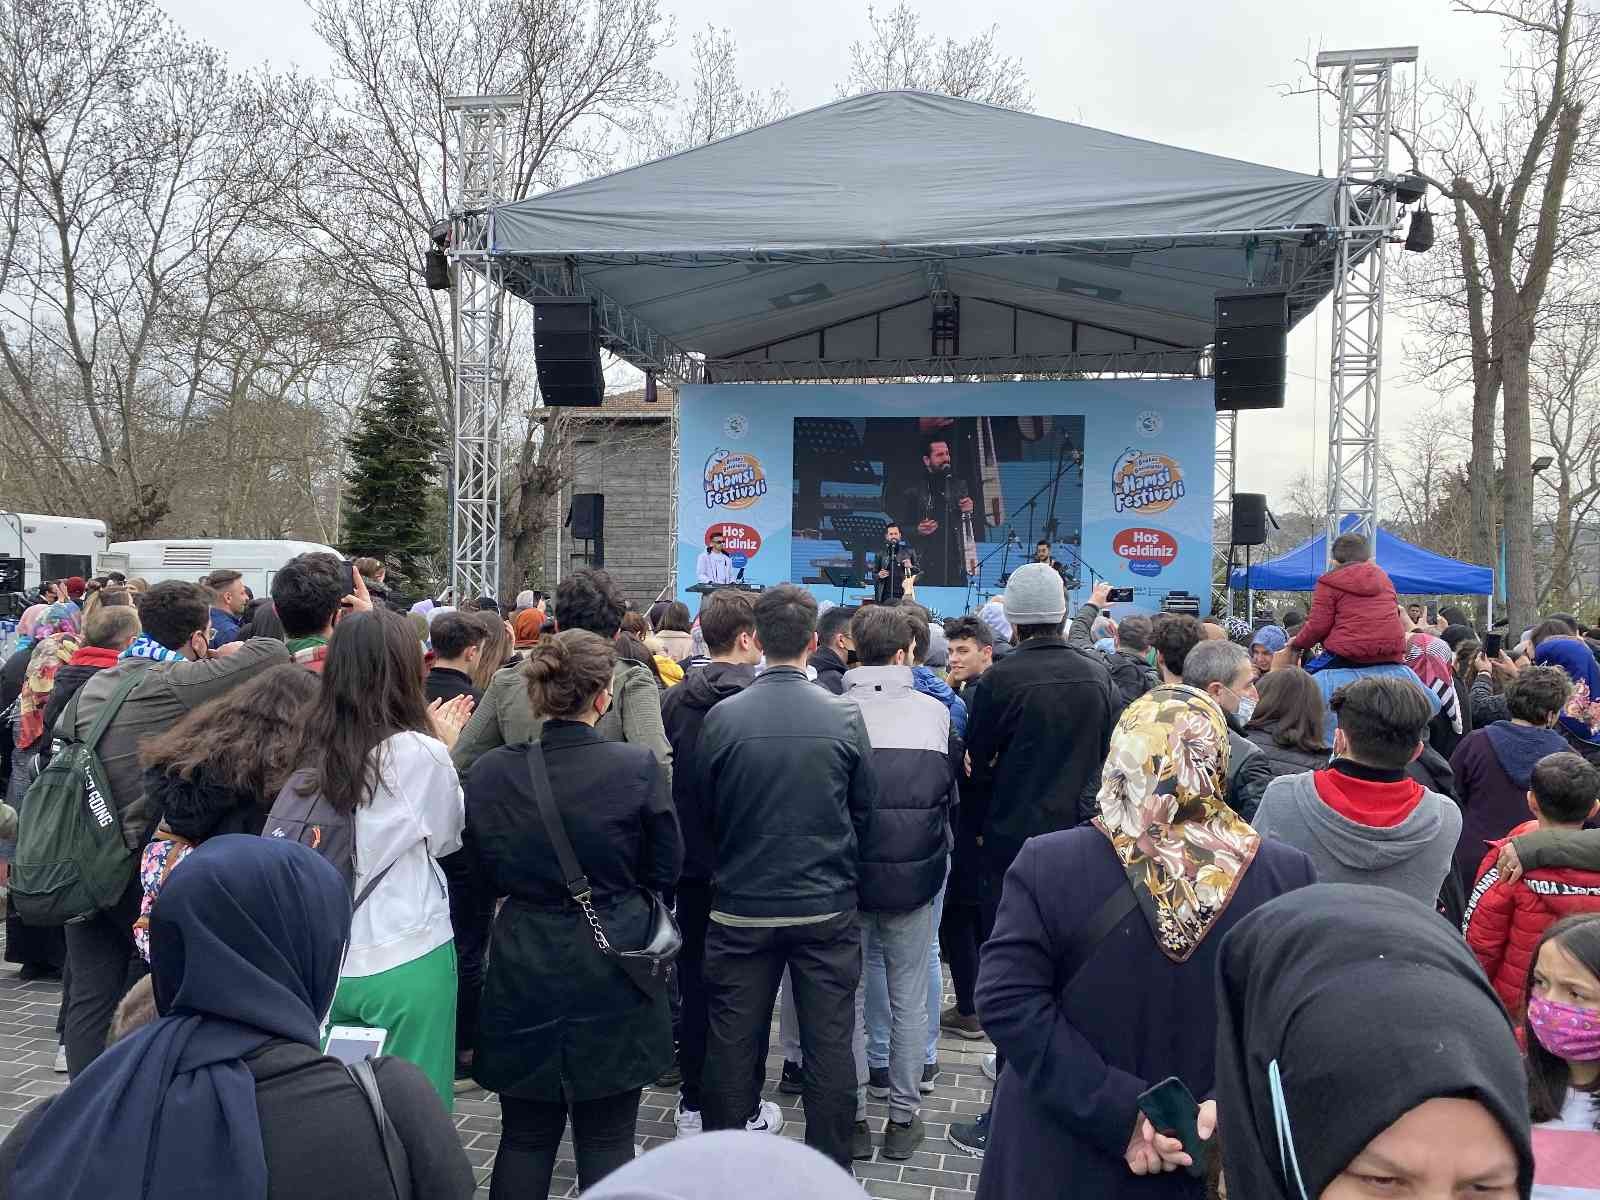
{"points": [[436, 270], [1251, 356], [587, 516], [566, 351], [13, 573], [1249, 519]]}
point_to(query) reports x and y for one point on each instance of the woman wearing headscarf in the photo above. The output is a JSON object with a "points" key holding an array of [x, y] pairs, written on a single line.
{"points": [[1087, 1024], [1580, 719], [1431, 659], [525, 627], [1362, 1052], [226, 1093], [12, 676]]}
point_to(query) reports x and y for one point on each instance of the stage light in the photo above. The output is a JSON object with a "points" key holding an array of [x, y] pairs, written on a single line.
{"points": [[1419, 238], [1408, 189], [1542, 463]]}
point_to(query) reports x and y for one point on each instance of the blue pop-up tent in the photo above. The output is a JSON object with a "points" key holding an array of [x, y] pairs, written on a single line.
{"points": [[1415, 571]]}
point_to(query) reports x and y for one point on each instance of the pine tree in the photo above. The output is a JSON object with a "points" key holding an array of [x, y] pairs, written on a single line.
{"points": [[394, 464]]}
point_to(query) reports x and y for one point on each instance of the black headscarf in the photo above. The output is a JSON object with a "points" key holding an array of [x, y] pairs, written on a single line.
{"points": [[246, 941], [1370, 1005]]}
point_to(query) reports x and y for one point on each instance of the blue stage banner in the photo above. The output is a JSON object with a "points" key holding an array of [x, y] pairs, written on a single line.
{"points": [[812, 483]]}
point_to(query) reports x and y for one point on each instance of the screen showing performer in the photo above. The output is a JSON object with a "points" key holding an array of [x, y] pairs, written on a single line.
{"points": [[956, 490]]}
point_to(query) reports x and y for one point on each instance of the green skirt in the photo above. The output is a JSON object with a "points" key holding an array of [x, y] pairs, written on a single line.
{"points": [[416, 1003]]}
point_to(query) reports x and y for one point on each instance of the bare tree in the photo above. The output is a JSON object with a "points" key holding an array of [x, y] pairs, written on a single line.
{"points": [[1420, 470], [1565, 386], [717, 105], [898, 54], [1519, 178]]}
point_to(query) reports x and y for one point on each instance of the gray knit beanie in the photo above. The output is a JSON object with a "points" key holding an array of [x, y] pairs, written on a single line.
{"points": [[1034, 596]]}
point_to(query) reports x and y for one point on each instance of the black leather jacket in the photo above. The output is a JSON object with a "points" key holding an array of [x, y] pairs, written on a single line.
{"points": [[785, 769]]}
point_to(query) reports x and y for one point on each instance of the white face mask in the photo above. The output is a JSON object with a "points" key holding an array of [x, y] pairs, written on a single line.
{"points": [[1246, 709]]}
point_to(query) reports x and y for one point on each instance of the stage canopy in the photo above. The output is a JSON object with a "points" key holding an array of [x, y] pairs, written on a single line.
{"points": [[810, 247], [1415, 571]]}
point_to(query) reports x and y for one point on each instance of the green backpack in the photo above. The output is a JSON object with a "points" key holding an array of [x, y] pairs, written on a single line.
{"points": [[71, 861]]}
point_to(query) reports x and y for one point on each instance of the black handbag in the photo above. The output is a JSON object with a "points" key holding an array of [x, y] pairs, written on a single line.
{"points": [[648, 965]]}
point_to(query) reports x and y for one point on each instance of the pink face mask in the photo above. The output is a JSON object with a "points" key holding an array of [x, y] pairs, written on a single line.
{"points": [[1567, 1031]]}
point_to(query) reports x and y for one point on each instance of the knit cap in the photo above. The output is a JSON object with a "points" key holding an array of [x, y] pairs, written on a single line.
{"points": [[1034, 596]]}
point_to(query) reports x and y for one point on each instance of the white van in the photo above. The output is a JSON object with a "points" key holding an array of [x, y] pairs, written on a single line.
{"points": [[51, 547], [193, 559]]}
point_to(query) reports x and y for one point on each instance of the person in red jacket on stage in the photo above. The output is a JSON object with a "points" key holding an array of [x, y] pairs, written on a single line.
{"points": [[1504, 921], [1355, 613]]}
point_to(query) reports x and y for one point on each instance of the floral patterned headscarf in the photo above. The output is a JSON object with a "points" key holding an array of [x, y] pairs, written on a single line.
{"points": [[1163, 805], [31, 617], [50, 655], [1580, 716]]}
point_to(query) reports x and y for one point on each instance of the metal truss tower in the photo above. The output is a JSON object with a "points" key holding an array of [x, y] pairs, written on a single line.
{"points": [[1222, 483], [481, 153], [1364, 82]]}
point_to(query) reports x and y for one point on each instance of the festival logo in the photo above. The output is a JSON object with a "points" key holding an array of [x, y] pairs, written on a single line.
{"points": [[740, 541], [1150, 423], [733, 479], [1146, 482], [1147, 550]]}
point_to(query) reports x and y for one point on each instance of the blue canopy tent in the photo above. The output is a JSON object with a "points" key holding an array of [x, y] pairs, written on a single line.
{"points": [[1415, 571]]}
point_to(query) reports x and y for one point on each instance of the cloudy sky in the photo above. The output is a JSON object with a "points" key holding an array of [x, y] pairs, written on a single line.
{"points": [[1204, 75]]}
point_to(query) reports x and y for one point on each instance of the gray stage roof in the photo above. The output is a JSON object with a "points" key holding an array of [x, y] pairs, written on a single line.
{"points": [[815, 241]]}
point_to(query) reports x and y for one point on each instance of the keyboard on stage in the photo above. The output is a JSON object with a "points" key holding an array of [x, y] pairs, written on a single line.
{"points": [[705, 589]]}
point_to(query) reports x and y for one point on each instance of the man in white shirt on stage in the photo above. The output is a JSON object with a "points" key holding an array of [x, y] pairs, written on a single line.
{"points": [[714, 566]]}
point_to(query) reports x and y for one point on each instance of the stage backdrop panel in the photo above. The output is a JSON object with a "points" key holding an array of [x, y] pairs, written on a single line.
{"points": [[804, 478]]}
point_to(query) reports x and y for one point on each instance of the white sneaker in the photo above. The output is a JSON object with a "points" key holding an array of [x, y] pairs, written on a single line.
{"points": [[60, 1065], [768, 1119], [990, 1067], [688, 1122]]}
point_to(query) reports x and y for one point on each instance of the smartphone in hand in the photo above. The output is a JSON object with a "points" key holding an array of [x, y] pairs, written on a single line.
{"points": [[1172, 1110]]}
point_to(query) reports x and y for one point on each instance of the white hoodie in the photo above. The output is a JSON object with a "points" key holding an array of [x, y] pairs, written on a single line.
{"points": [[415, 816]]}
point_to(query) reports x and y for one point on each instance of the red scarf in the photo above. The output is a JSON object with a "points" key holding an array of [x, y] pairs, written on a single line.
{"points": [[93, 656], [1374, 802]]}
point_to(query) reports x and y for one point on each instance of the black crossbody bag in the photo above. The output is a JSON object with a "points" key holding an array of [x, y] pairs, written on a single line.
{"points": [[647, 966]]}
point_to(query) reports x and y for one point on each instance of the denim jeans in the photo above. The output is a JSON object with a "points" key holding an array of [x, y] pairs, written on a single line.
{"points": [[877, 1015], [900, 941]]}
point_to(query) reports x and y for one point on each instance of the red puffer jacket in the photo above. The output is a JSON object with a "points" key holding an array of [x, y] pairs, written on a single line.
{"points": [[1503, 924], [1356, 615]]}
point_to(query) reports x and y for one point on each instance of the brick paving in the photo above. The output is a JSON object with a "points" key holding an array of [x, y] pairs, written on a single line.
{"points": [[938, 1171]]}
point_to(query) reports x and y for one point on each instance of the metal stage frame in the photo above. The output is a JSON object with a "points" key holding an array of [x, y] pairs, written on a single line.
{"points": [[1345, 259]]}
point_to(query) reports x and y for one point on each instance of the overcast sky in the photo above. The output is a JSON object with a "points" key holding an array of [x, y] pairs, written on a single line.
{"points": [[1205, 76]]}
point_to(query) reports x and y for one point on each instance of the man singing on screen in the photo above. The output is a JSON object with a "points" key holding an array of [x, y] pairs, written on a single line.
{"points": [[895, 563], [714, 566], [943, 519]]}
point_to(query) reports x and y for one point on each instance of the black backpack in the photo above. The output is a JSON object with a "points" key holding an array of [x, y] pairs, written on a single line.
{"points": [[302, 814], [71, 861]]}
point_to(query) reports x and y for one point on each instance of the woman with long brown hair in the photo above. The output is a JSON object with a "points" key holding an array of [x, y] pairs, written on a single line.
{"points": [[1289, 721], [374, 747]]}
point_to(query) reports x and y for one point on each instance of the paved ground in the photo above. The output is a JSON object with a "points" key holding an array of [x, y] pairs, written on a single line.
{"points": [[938, 1171]]}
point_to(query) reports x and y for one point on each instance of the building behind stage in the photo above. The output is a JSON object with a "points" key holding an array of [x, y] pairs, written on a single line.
{"points": [[625, 454]]}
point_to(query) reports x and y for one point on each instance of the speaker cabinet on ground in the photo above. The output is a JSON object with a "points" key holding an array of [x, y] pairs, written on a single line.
{"points": [[1249, 519], [566, 350], [587, 516], [12, 573], [1251, 355]]}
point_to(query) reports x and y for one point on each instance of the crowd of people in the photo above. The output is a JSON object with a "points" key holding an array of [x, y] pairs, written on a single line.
{"points": [[1296, 907]]}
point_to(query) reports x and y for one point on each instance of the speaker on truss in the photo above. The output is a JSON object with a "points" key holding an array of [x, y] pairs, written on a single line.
{"points": [[1251, 355], [566, 351], [1249, 519], [436, 270], [587, 516]]}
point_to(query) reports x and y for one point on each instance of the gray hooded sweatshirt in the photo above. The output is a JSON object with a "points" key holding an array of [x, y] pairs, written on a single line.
{"points": [[1411, 857]]}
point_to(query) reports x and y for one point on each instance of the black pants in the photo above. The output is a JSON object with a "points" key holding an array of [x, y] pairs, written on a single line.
{"points": [[742, 970], [101, 957], [962, 933], [694, 915], [602, 1141], [994, 878], [471, 915]]}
